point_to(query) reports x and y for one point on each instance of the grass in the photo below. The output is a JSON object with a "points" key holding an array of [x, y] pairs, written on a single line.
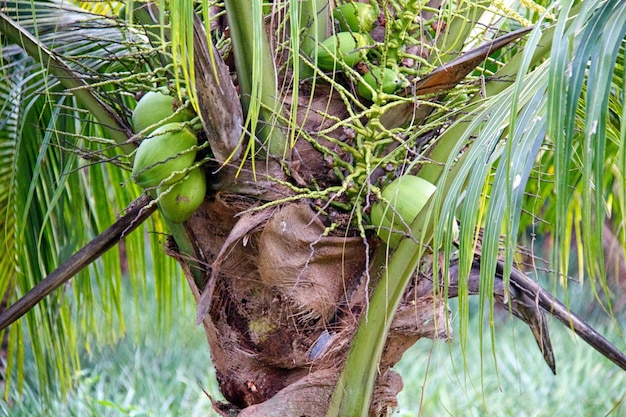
{"points": [[439, 381], [147, 373], [150, 373]]}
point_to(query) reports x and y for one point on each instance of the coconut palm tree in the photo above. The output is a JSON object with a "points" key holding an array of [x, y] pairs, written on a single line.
{"points": [[361, 163]]}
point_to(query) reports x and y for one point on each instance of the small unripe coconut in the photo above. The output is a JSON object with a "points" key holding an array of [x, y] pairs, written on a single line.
{"points": [[169, 148], [155, 107], [403, 199], [355, 17], [385, 77], [178, 201], [345, 46]]}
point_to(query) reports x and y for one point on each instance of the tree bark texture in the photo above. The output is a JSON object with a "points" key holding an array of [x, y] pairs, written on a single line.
{"points": [[285, 300]]}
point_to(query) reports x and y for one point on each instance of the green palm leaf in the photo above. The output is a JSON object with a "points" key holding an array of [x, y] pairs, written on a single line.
{"points": [[58, 193]]}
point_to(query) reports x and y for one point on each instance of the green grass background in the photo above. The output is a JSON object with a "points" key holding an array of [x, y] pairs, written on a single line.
{"points": [[446, 380], [152, 373]]}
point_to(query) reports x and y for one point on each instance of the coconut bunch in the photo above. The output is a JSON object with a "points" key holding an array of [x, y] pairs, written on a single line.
{"points": [[164, 160], [368, 67]]}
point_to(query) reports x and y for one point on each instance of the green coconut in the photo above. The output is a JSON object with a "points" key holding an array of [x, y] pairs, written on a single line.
{"points": [[160, 157], [355, 17], [402, 201], [155, 107], [386, 78], [179, 201], [345, 46]]}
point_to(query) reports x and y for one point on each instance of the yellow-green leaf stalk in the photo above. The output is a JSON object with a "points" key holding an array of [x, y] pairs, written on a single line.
{"points": [[257, 75], [353, 394]]}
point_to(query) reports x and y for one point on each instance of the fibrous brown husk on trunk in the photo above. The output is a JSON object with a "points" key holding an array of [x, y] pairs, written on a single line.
{"points": [[308, 269], [285, 299], [282, 291]]}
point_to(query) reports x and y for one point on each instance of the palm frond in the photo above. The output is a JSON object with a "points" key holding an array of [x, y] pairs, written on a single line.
{"points": [[65, 180], [528, 139]]}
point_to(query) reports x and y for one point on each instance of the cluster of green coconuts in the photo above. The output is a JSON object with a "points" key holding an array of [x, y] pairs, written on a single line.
{"points": [[164, 159], [405, 197], [355, 21]]}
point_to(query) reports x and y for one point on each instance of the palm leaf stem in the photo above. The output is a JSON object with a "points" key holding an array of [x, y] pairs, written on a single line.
{"points": [[144, 14], [369, 340], [354, 390], [313, 22], [559, 310], [184, 242], [458, 29], [256, 74]]}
